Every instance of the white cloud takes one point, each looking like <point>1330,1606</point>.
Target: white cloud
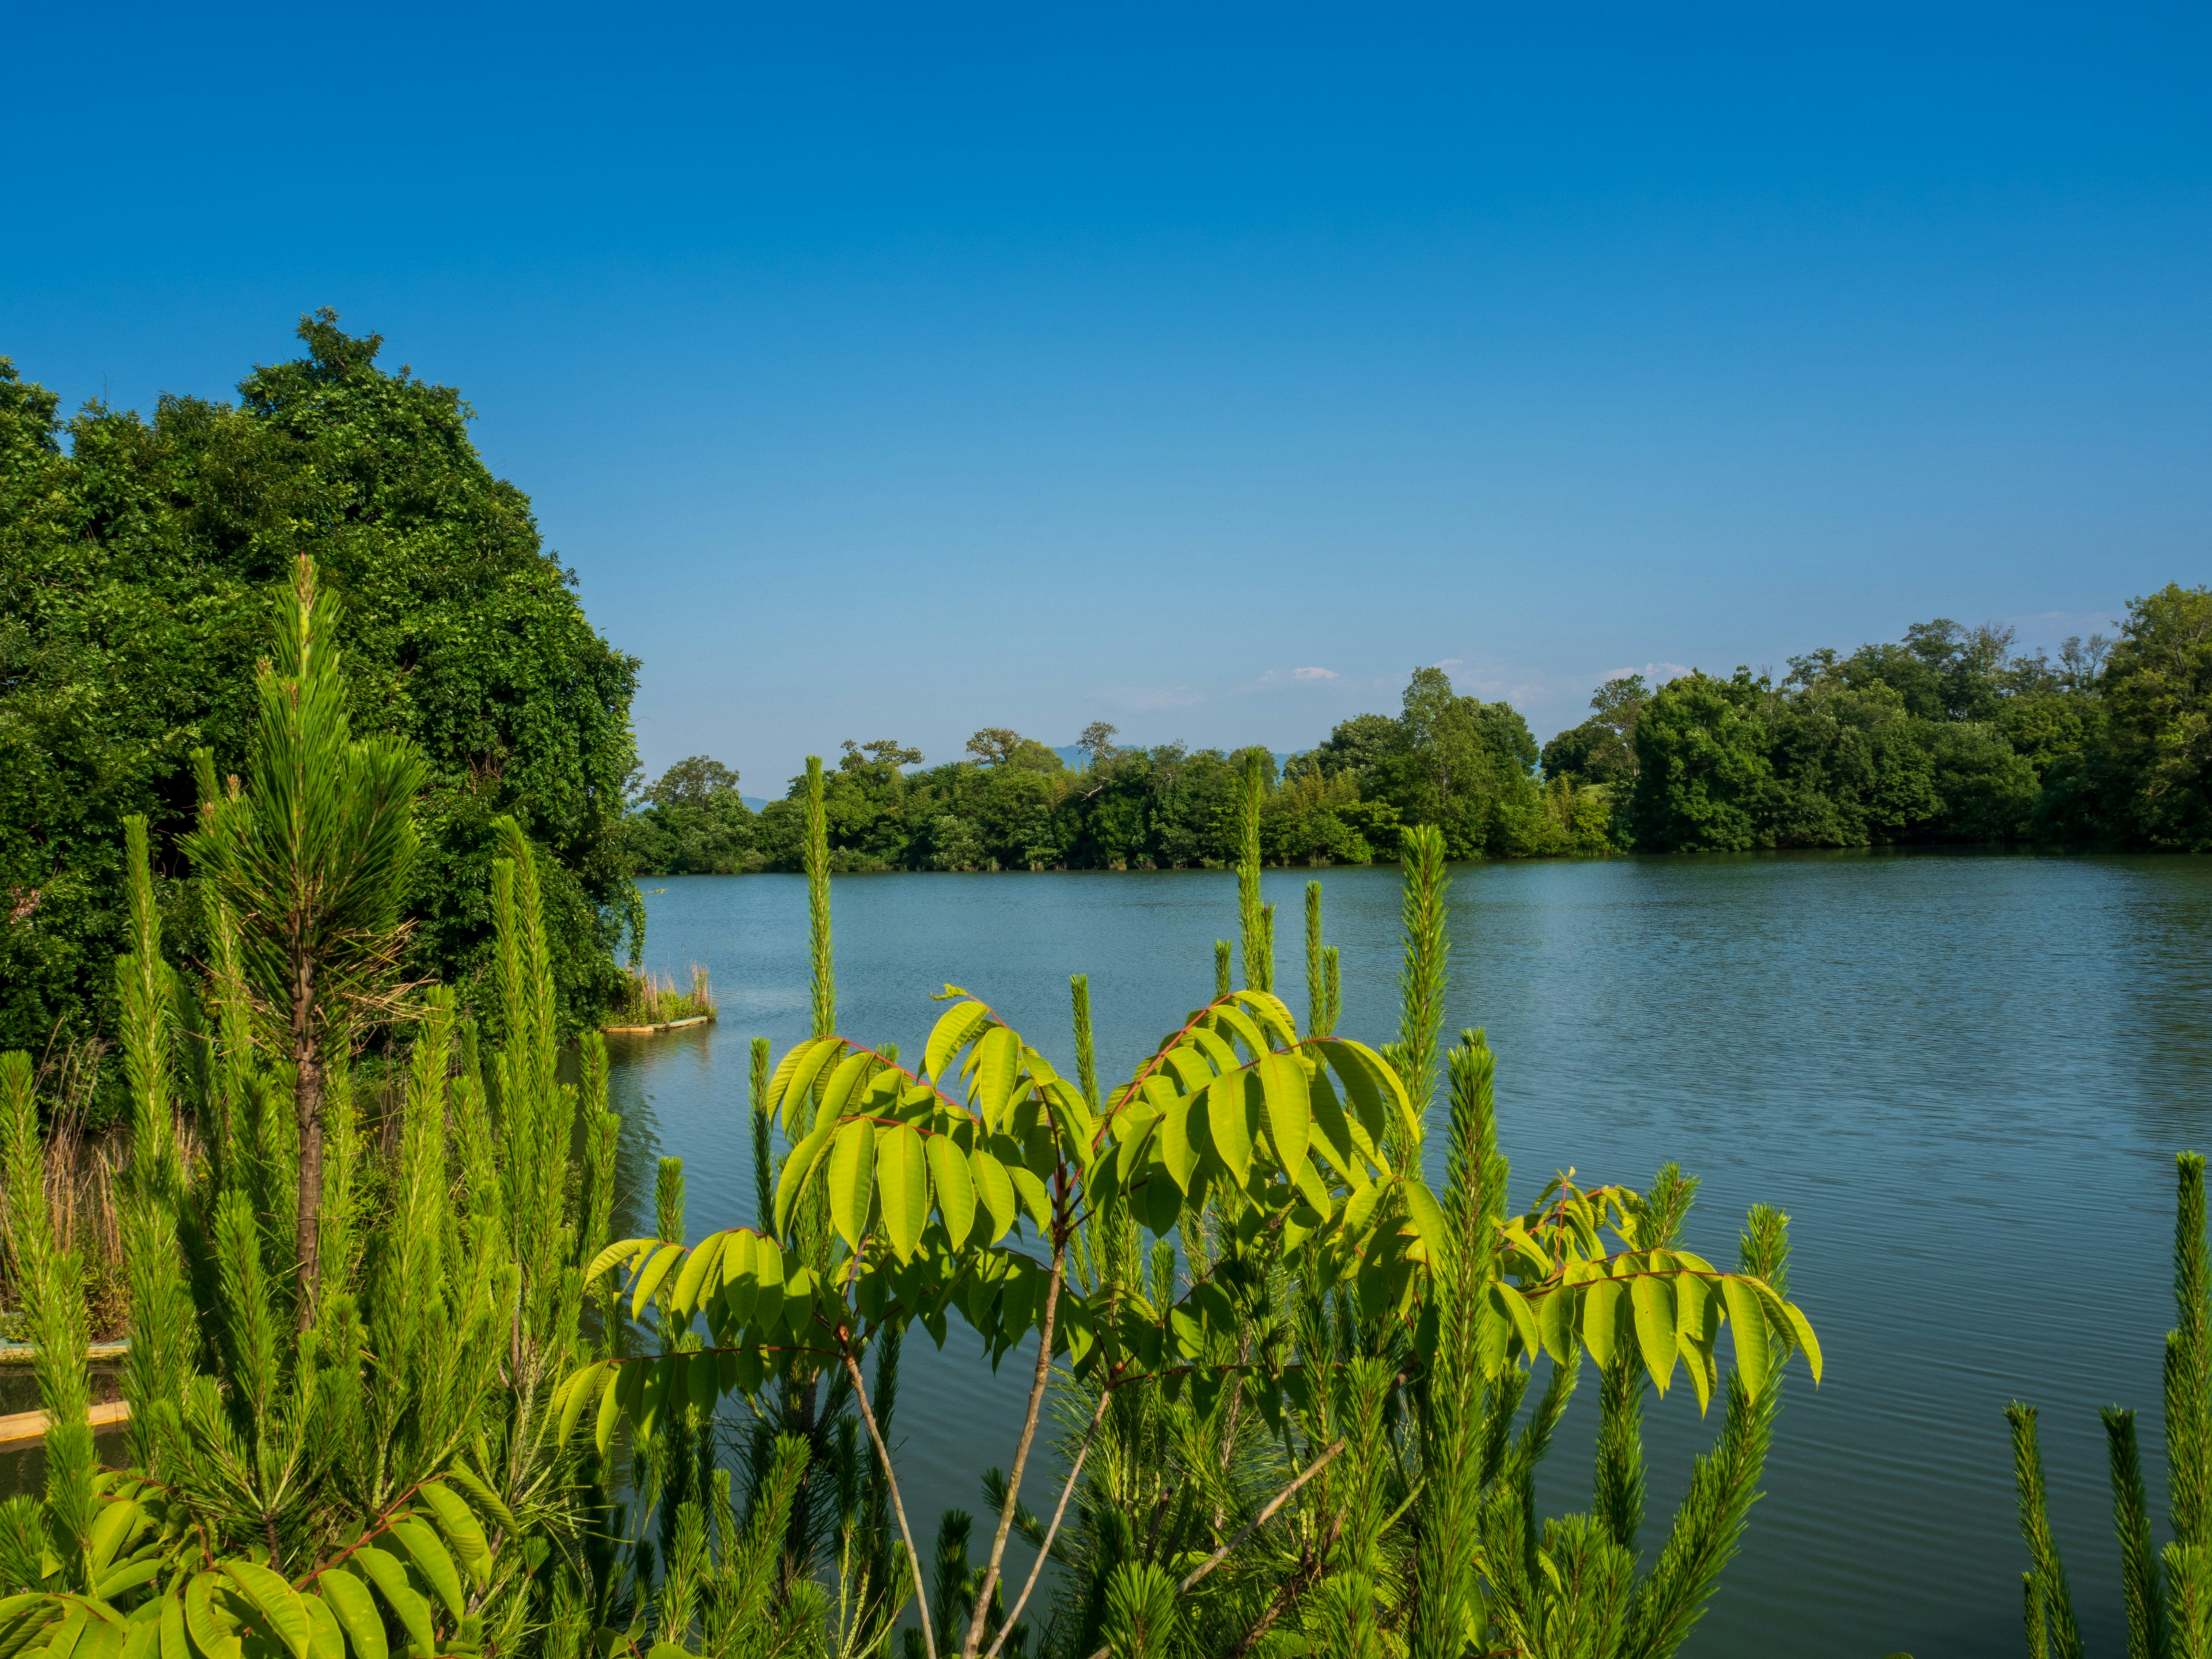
<point>1313,673</point>
<point>1141,697</point>
<point>1275,678</point>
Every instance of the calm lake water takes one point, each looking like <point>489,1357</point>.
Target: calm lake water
<point>1963,1076</point>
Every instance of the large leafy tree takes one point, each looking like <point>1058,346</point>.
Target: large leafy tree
<point>136,564</point>
<point>2158,687</point>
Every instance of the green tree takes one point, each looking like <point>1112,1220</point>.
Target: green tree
<point>1702,768</point>
<point>1602,749</point>
<point>135,572</point>
<point>692,821</point>
<point>309,863</point>
<point>2158,689</point>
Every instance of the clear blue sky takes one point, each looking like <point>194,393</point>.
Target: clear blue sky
<point>893,371</point>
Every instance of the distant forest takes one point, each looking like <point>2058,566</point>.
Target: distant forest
<point>1949,735</point>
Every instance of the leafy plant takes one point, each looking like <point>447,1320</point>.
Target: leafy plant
<point>1305,1290</point>
<point>2168,1611</point>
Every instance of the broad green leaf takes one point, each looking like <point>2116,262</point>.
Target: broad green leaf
<point>1034,1197</point>
<point>616,1256</point>
<point>1247,1032</point>
<point>851,1178</point>
<point>838,1091</point>
<point>1218,1054</point>
<point>1800,1329</point>
<point>1556,1318</point>
<point>1427,1217</point>
<point>109,1527</point>
<point>683,1301</point>
<point>603,1426</point>
<point>902,1188</point>
<point>955,1187</point>
<point>1601,1309</point>
<point>458,1523</point>
<point>389,1574</point>
<point>1227,1120</point>
<point>1509,1301</point>
<point>702,1381</point>
<point>799,1090</point>
<point>997,1061</point>
<point>112,1583</point>
<point>1654,1297</point>
<point>1272,1012</point>
<point>1290,1116</point>
<point>780,1081</point>
<point>283,1614</point>
<point>1332,1129</point>
<point>648,1280</point>
<point>1747,1318</point>
<point>740,1276</point>
<point>431,1560</point>
<point>798,1171</point>
<point>580,1391</point>
<point>996,1190</point>
<point>1177,1153</point>
<point>176,1640</point>
<point>951,1033</point>
<point>211,1629</point>
<point>1360,1208</point>
<point>327,1638</point>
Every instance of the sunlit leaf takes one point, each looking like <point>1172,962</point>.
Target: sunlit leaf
<point>902,1188</point>
<point>851,1178</point>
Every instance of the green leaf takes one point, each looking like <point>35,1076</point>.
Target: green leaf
<point>458,1523</point>
<point>1654,1297</point>
<point>1556,1317</point>
<point>1289,1113</point>
<point>1427,1217</point>
<point>683,1302</point>
<point>955,1187</point>
<point>1509,1301</point>
<point>432,1561</point>
<point>1801,1330</point>
<point>649,1279</point>
<point>389,1574</point>
<point>109,1528</point>
<point>283,1614</point>
<point>580,1391</point>
<point>953,1030</point>
<point>603,1430</point>
<point>851,1178</point>
<point>1602,1301</point>
<point>740,1278</point>
<point>837,1093</point>
<point>997,1061</point>
<point>326,1639</point>
<point>798,1098</point>
<point>996,1191</point>
<point>1228,1121</point>
<point>1748,1320</point>
<point>1034,1197</point>
<point>902,1186</point>
<point>616,1256</point>
<point>1178,1154</point>
<point>1332,1129</point>
<point>798,1169</point>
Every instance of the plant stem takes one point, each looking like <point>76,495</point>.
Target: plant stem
<point>1037,1385</point>
<point>817,902</point>
<point>1248,1529</point>
<point>1044,1550</point>
<point>899,1502</point>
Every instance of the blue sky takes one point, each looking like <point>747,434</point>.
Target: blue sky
<point>893,370</point>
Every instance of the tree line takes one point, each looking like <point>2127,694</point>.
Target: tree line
<point>1948,735</point>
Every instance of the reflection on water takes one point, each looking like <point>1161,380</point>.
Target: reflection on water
<point>1963,1076</point>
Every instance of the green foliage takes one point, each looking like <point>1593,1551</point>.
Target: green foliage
<point>136,568</point>
<point>2167,1594</point>
<point>692,822</point>
<point>1309,1322</point>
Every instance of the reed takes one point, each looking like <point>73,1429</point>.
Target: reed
<point>652,998</point>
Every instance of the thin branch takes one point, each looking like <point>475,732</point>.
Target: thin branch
<point>898,1503</point>
<point>1248,1529</point>
<point>1044,1550</point>
<point>1037,1385</point>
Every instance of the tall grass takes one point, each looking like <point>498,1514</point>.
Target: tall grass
<point>81,1164</point>
<point>654,999</point>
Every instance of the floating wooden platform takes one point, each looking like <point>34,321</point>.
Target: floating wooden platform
<point>648,1030</point>
<point>29,1428</point>
<point>23,1353</point>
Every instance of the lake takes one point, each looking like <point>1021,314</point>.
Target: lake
<point>1963,1076</point>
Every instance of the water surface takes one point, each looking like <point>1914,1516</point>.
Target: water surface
<point>1963,1076</point>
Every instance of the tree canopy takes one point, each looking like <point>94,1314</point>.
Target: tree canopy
<point>138,559</point>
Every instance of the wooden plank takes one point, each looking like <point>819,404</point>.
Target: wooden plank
<point>29,1428</point>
